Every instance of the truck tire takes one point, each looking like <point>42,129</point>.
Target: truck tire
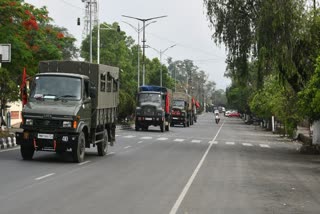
<point>102,147</point>
<point>78,149</point>
<point>27,152</point>
<point>162,126</point>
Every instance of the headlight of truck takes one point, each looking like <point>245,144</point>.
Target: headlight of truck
<point>66,124</point>
<point>29,122</point>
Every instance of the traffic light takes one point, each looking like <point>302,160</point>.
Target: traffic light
<point>78,21</point>
<point>118,28</point>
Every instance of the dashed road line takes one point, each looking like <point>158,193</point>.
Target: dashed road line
<point>80,164</point>
<point>140,142</point>
<point>178,140</point>
<point>247,144</point>
<point>127,147</point>
<point>162,138</point>
<point>264,146</point>
<point>43,177</point>
<point>145,138</point>
<point>196,141</point>
<point>129,136</point>
<point>230,143</point>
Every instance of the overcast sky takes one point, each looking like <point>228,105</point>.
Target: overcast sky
<point>186,26</point>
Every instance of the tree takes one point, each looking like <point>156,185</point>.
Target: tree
<point>8,89</point>
<point>31,36</point>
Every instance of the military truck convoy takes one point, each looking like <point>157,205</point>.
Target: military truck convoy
<point>181,109</point>
<point>72,106</point>
<point>154,105</point>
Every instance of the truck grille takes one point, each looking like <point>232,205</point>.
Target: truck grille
<point>148,111</point>
<point>47,123</point>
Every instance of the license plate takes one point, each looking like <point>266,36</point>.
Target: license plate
<point>45,136</point>
<point>147,118</point>
<point>175,118</point>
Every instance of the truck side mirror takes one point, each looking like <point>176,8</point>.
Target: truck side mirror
<point>93,93</point>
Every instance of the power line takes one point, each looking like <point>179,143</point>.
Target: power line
<point>71,5</point>
<point>186,46</point>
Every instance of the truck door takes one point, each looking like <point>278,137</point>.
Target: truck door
<point>87,103</point>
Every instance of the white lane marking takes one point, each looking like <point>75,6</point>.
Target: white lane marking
<point>264,146</point>
<point>179,140</point>
<point>247,144</point>
<point>213,142</point>
<point>196,141</point>
<point>162,138</point>
<point>9,149</point>
<point>80,164</point>
<point>194,174</point>
<point>129,136</point>
<point>43,177</point>
<point>117,135</point>
<point>229,143</point>
<point>127,147</point>
<point>145,138</point>
<point>140,142</point>
<point>111,153</point>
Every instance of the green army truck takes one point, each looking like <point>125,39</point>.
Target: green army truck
<point>154,105</point>
<point>72,106</point>
<point>181,109</point>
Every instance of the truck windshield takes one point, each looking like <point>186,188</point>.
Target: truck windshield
<point>56,87</point>
<point>154,98</point>
<point>178,103</point>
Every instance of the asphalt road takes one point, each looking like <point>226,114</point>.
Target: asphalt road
<point>206,168</point>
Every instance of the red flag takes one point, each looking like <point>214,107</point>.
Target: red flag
<point>23,88</point>
<point>197,104</point>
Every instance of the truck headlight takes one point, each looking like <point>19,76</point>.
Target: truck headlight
<point>29,122</point>
<point>66,124</point>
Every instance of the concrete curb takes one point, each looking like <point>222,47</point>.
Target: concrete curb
<point>8,142</point>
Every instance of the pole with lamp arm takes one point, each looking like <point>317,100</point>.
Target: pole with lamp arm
<point>144,41</point>
<point>138,30</point>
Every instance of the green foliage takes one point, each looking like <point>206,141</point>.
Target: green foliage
<point>9,90</point>
<point>31,36</point>
<point>309,98</point>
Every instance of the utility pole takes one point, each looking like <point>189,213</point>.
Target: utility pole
<point>91,19</point>
<point>143,41</point>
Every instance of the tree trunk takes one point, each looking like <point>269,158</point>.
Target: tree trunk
<point>316,133</point>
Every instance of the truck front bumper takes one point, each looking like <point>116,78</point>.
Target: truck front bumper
<point>46,140</point>
<point>149,121</point>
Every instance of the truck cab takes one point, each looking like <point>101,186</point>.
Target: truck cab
<point>68,110</point>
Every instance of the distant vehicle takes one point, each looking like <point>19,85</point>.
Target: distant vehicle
<point>72,105</point>
<point>154,105</point>
<point>181,109</point>
<point>234,114</point>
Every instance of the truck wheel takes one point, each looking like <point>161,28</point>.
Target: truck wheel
<point>78,149</point>
<point>102,147</point>
<point>167,127</point>
<point>162,126</point>
<point>137,128</point>
<point>184,124</point>
<point>27,152</point>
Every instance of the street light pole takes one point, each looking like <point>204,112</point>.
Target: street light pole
<point>90,25</point>
<point>162,52</point>
<point>143,40</point>
<point>138,30</point>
